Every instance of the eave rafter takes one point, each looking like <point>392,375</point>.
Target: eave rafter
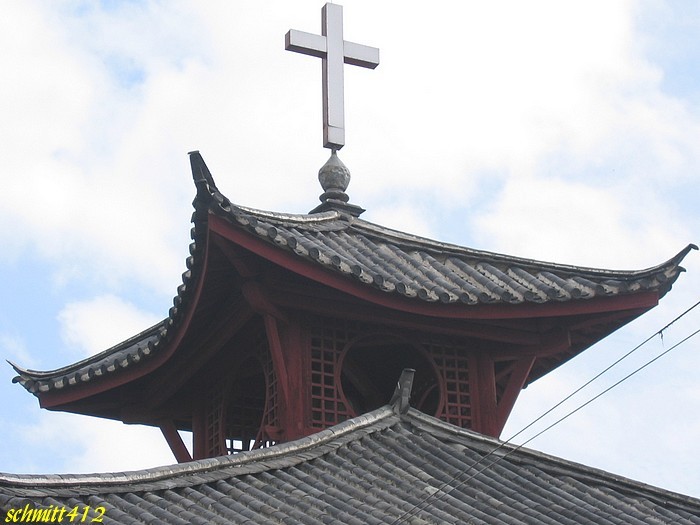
<point>259,302</point>
<point>606,318</point>
<point>177,327</point>
<point>229,320</point>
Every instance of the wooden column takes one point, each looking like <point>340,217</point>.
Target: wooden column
<point>199,438</point>
<point>482,386</point>
<point>295,418</point>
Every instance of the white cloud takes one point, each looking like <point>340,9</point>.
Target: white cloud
<point>569,221</point>
<point>543,125</point>
<point>15,349</point>
<point>501,91</point>
<point>101,445</point>
<point>97,324</point>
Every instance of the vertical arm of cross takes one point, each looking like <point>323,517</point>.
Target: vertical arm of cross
<point>333,78</point>
<point>334,52</point>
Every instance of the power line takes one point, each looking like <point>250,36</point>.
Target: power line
<point>634,372</point>
<point>441,492</point>
<point>601,373</point>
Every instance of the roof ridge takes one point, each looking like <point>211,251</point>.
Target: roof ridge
<point>329,438</point>
<point>204,179</point>
<point>311,447</point>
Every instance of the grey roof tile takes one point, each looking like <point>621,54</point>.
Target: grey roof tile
<point>380,468</point>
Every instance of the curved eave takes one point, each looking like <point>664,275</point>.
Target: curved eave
<point>140,354</point>
<point>372,257</point>
<point>421,270</point>
<point>422,243</point>
<point>141,344</point>
<point>273,236</point>
<point>374,293</point>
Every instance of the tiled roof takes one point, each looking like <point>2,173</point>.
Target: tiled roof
<point>426,270</point>
<point>382,468</point>
<point>396,263</point>
<point>422,269</point>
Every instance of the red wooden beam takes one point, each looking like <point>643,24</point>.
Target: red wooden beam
<point>177,446</point>
<point>259,301</point>
<point>482,394</point>
<point>295,419</point>
<point>199,430</point>
<point>274,342</point>
<point>312,270</point>
<point>515,384</point>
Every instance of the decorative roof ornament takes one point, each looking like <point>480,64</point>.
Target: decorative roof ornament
<point>334,177</point>
<point>334,52</point>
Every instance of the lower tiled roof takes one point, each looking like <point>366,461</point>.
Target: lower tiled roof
<point>381,468</point>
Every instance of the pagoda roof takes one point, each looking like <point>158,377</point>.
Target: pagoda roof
<point>375,263</point>
<point>388,466</point>
<point>422,269</point>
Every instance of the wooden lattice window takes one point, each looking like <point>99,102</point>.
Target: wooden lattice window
<point>441,386</point>
<point>245,407</point>
<point>270,422</point>
<point>241,408</point>
<point>453,365</point>
<point>327,343</point>
<point>214,422</point>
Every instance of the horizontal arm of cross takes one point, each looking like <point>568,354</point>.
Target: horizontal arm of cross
<point>315,45</point>
<point>359,55</point>
<point>305,43</point>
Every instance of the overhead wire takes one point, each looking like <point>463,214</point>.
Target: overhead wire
<point>608,389</point>
<point>440,493</point>
<point>659,333</point>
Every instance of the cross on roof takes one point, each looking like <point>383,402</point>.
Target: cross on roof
<point>334,51</point>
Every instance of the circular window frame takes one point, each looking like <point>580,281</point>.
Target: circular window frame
<point>390,338</point>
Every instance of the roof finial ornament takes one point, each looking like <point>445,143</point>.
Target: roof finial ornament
<point>334,177</point>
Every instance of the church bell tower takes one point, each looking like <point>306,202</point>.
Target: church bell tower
<point>287,324</point>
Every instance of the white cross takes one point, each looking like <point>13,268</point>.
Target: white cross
<point>334,51</point>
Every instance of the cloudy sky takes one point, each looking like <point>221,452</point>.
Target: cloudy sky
<point>562,131</point>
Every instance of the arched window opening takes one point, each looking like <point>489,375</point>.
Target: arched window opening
<point>371,366</point>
